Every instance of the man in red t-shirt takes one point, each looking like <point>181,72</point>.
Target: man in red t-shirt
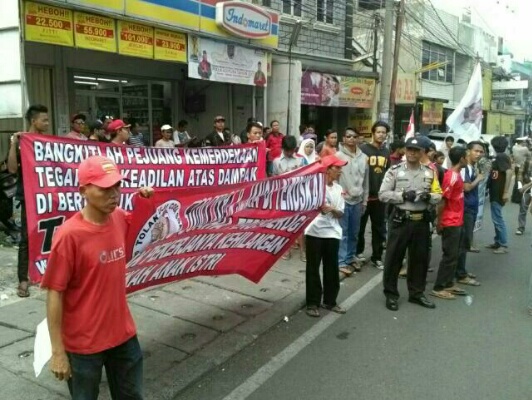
<point>274,143</point>
<point>449,225</point>
<point>88,316</point>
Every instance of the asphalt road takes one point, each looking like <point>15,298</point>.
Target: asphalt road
<point>478,351</point>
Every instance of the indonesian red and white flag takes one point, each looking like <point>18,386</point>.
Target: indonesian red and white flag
<point>411,131</point>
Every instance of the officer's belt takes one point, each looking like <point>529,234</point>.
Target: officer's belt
<point>414,216</point>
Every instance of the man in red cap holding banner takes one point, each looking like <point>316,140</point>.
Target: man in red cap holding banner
<point>88,316</point>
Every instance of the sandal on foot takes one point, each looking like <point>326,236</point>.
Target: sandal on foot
<point>456,291</point>
<point>473,276</point>
<point>303,258</point>
<point>313,311</point>
<point>356,267</point>
<point>443,294</point>
<point>286,256</point>
<point>468,281</point>
<point>335,309</point>
<point>23,290</point>
<point>346,271</point>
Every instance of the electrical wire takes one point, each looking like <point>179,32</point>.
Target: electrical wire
<point>447,29</point>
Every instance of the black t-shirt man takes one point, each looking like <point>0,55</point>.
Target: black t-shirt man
<point>500,165</point>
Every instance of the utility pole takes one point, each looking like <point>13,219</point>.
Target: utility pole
<point>397,50</point>
<point>376,40</point>
<point>386,74</point>
<point>296,30</point>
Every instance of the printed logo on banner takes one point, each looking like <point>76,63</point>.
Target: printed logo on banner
<point>162,224</point>
<point>244,20</point>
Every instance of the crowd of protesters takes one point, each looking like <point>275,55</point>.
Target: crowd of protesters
<point>406,189</point>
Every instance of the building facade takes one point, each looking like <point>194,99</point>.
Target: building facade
<point>159,62</point>
<point>436,60</point>
<point>314,81</point>
<point>156,62</point>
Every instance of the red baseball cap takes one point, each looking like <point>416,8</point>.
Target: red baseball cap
<point>332,161</point>
<point>99,171</point>
<point>116,125</point>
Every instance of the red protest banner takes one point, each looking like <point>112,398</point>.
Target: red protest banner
<point>49,166</point>
<point>239,229</point>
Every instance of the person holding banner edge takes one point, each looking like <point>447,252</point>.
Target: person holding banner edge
<point>37,118</point>
<point>88,316</point>
<point>323,237</point>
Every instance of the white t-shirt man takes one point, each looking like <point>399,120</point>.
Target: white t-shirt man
<point>326,226</point>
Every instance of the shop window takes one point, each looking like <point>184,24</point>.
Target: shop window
<point>325,11</point>
<point>370,4</point>
<point>433,53</point>
<point>161,107</point>
<point>146,102</point>
<point>292,7</point>
<point>265,3</point>
<point>97,84</point>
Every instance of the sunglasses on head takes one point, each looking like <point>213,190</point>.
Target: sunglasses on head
<point>348,136</point>
<point>220,120</point>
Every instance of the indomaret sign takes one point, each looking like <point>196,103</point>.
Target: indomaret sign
<point>244,20</point>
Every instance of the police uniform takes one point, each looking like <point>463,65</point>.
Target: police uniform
<point>409,225</point>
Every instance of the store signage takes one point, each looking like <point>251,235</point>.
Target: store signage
<point>225,62</point>
<point>95,32</point>
<point>508,95</point>
<point>170,46</point>
<point>329,90</point>
<point>47,24</point>
<point>362,122</point>
<point>405,89</point>
<point>135,39</point>
<point>243,19</point>
<point>432,112</point>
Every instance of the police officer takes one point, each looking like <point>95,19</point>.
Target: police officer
<point>409,187</point>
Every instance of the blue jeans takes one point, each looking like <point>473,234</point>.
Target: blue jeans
<point>123,367</point>
<point>350,223</point>
<point>501,237</point>
<point>465,243</point>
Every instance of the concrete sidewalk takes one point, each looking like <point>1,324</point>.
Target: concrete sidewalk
<point>185,329</point>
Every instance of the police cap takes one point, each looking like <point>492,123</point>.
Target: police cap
<point>414,143</point>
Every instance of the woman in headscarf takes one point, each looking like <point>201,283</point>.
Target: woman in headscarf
<point>307,151</point>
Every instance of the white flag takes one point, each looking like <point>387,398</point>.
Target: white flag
<point>466,120</point>
<point>411,131</point>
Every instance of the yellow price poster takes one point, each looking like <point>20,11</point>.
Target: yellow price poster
<point>432,112</point>
<point>170,46</point>
<point>135,39</point>
<point>94,32</point>
<point>362,122</point>
<point>47,24</point>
